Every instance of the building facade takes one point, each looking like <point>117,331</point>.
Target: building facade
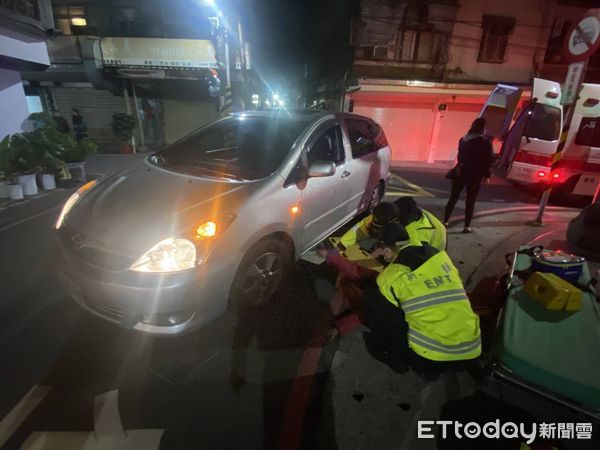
<point>23,25</point>
<point>423,70</point>
<point>156,63</point>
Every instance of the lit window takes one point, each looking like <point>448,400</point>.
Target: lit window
<point>70,19</point>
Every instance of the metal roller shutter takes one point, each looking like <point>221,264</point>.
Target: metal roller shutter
<point>454,124</point>
<point>407,127</point>
<point>96,107</point>
<point>183,117</point>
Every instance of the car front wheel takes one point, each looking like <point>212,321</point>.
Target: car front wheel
<point>262,271</point>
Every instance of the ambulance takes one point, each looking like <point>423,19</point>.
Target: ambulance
<point>531,140</point>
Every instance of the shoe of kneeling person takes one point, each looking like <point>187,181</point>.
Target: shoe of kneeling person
<point>467,230</point>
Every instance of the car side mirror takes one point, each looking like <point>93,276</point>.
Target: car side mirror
<point>321,169</point>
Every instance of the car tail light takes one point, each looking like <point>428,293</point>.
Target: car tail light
<point>381,140</point>
<point>541,174</point>
<point>556,176</point>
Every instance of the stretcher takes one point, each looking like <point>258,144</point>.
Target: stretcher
<point>553,353</point>
<point>357,255</point>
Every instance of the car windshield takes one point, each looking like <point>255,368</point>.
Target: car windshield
<point>238,147</point>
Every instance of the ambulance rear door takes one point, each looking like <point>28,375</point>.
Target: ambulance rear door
<point>533,139</point>
<point>499,109</point>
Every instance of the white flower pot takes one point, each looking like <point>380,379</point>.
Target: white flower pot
<point>48,181</point>
<point>15,191</point>
<point>28,183</point>
<point>4,193</point>
<point>77,171</point>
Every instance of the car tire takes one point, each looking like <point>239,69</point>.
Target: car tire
<point>262,272</point>
<point>375,199</point>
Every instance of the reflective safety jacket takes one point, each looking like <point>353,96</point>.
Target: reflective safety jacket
<point>428,229</point>
<point>358,232</point>
<point>442,325</point>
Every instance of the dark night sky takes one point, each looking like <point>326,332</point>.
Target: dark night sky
<point>287,34</point>
<point>281,33</point>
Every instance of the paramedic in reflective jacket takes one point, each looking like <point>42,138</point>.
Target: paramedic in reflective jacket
<point>368,228</point>
<point>420,310</point>
<point>420,225</point>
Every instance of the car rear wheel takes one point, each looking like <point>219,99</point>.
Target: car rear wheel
<point>375,199</point>
<point>261,273</point>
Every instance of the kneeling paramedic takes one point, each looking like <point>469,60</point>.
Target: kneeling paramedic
<point>369,228</point>
<point>420,308</point>
<point>420,225</point>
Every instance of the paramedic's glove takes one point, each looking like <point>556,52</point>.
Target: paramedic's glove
<point>377,253</point>
<point>384,255</point>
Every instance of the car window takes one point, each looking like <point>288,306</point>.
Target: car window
<point>543,122</point>
<point>238,147</point>
<point>589,132</point>
<point>328,147</point>
<point>361,137</point>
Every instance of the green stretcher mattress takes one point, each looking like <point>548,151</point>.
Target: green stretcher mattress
<point>557,351</point>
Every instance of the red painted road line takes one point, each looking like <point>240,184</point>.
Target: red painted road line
<point>292,425</point>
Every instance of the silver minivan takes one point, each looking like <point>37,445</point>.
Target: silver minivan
<point>217,218</point>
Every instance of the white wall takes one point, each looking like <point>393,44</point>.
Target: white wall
<point>527,40</point>
<point>13,105</point>
<point>18,46</point>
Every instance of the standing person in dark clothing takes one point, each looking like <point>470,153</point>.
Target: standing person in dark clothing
<point>62,126</point>
<point>475,158</point>
<point>79,127</point>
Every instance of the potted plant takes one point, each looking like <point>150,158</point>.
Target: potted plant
<point>122,126</point>
<point>75,158</point>
<point>49,147</point>
<point>11,188</point>
<point>25,163</point>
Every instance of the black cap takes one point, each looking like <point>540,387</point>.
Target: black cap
<point>392,233</point>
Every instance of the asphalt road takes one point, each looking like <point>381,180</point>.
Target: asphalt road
<point>237,383</point>
<point>225,386</point>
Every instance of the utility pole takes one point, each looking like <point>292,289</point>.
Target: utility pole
<point>224,39</point>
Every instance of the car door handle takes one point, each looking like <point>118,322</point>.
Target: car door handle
<point>346,174</point>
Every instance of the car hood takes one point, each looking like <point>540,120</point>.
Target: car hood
<point>136,208</point>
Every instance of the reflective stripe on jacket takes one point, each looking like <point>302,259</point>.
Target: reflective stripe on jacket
<point>357,233</point>
<point>442,325</point>
<point>428,229</point>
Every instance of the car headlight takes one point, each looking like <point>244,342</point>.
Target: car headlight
<point>73,199</point>
<point>169,255</point>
